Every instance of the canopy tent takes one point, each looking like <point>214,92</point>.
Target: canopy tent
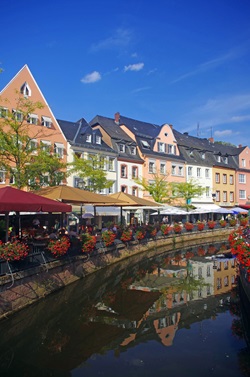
<point>237,210</point>
<point>223,210</point>
<point>134,201</point>
<point>210,207</point>
<point>12,199</point>
<point>170,210</point>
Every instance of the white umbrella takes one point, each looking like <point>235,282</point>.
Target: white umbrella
<point>88,216</point>
<point>237,210</point>
<point>223,210</point>
<point>169,210</point>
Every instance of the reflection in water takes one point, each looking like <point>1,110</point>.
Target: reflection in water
<point>131,310</point>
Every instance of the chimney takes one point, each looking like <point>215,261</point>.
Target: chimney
<point>240,146</point>
<point>211,140</point>
<point>171,126</point>
<point>117,118</point>
<point>185,133</point>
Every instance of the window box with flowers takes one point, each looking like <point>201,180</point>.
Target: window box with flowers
<point>232,222</point>
<point>177,228</point>
<point>243,221</point>
<point>13,251</point>
<point>200,226</point>
<point>223,223</point>
<point>189,226</point>
<point>88,242</point>
<point>165,229</point>
<point>211,224</point>
<point>108,237</point>
<point>126,235</point>
<point>140,234</point>
<point>59,247</point>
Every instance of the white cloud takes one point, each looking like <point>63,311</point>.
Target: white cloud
<point>91,77</point>
<point>141,89</point>
<point>121,38</point>
<point>223,133</point>
<point>133,67</point>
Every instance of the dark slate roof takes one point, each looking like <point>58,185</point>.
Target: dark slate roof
<point>117,135</point>
<point>187,143</point>
<point>76,132</point>
<point>141,129</point>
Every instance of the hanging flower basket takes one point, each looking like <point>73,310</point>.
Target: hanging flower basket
<point>13,251</point>
<point>108,237</point>
<point>177,228</point>
<point>200,226</point>
<point>232,222</point>
<point>126,235</point>
<point>223,223</point>
<point>59,247</point>
<point>165,229</point>
<point>139,235</point>
<point>211,224</point>
<point>189,226</point>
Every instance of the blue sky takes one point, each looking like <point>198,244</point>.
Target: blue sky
<point>180,62</point>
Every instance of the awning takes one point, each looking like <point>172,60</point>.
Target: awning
<point>207,206</point>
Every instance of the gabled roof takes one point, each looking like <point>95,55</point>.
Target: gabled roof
<point>76,134</point>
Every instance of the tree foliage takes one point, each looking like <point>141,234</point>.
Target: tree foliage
<point>187,191</point>
<point>23,161</point>
<point>158,187</point>
<point>92,172</point>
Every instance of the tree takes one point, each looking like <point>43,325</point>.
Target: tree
<point>158,187</point>
<point>20,157</point>
<point>187,191</point>
<point>92,171</point>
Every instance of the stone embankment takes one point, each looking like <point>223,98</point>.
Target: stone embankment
<point>23,288</point>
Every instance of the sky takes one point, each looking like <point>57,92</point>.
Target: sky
<point>185,63</point>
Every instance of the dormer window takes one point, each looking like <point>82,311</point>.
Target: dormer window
<point>145,144</point>
<point>161,147</point>
<point>218,158</point>
<point>225,160</point>
<point>32,118</point>
<point>203,155</point>
<point>25,90</point>
<point>98,139</point>
<point>88,138</point>
<point>46,121</point>
<point>122,148</point>
<point>171,149</point>
<point>133,151</point>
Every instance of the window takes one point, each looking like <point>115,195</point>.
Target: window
<point>46,122</point>
<point>98,139</point>
<point>135,191</point>
<point>162,168</point>
<point>102,161</point>
<point>243,163</point>
<point>180,170</point>
<point>32,119</point>
<point>145,144</point>
<point>44,180</point>
<point>3,112</point>
<point>111,164</point>
<point>207,191</point>
<point>231,179</point>
<point>123,188</point>
<point>208,270</point>
<point>217,196</point>
<point>134,172</point>
<point>231,196</point>
<point>218,158</point>
<point>171,149</point>
<point>58,149</point>
<point>190,171</point>
<point>33,145</point>
<point>25,90</point>
<point>161,147</point>
<point>111,189</point>
<point>207,173</point>
<point>2,176</point>
<point>122,148</point>
<point>198,172</point>
<point>88,138</point>
<point>45,146</point>
<point>224,196</point>
<point>203,155</point>
<point>242,178</point>
<point>133,150</point>
<point>18,115</point>
<point>123,171</point>
<point>225,160</point>
<point>173,170</point>
<point>217,177</point>
<point>242,194</point>
<point>224,178</point>
<point>151,167</point>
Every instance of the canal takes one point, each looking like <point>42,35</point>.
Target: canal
<point>177,314</point>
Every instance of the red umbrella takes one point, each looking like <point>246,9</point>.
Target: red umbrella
<point>12,199</point>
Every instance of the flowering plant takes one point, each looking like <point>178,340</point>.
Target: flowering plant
<point>140,234</point>
<point>177,228</point>
<point>13,251</point>
<point>189,226</point>
<point>126,235</point>
<point>240,247</point>
<point>243,221</point>
<point>232,222</point>
<point>211,224</point>
<point>223,223</point>
<point>200,226</point>
<point>165,229</point>
<point>201,251</point>
<point>108,237</point>
<point>88,243</point>
<point>59,247</point>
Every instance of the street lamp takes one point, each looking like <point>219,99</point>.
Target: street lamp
<point>81,185</point>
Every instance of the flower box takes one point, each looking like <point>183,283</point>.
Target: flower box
<point>59,247</point>
<point>108,237</point>
<point>211,224</point>
<point>200,226</point>
<point>177,228</point>
<point>189,226</point>
<point>223,223</point>
<point>13,251</point>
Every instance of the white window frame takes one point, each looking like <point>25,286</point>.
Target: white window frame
<point>88,138</point>
<point>162,168</point>
<point>25,90</point>
<point>59,149</point>
<point>242,194</point>
<point>242,178</point>
<point>45,145</point>
<point>243,162</point>
<point>122,148</point>
<point>32,119</point>
<point>161,147</point>
<point>198,172</point>
<point>3,112</point>
<point>145,144</point>
<point>98,139</point>
<point>190,171</point>
<point>111,164</point>
<point>18,115</point>
<point>2,177</point>
<point>151,167</point>
<point>133,150</point>
<point>46,121</point>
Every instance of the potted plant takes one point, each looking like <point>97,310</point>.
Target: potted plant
<point>88,242</point>
<point>13,251</point>
<point>232,222</point>
<point>200,226</point>
<point>140,234</point>
<point>126,235</point>
<point>223,223</point>
<point>211,224</point>
<point>177,228</point>
<point>59,247</point>
<point>108,237</point>
<point>189,226</point>
<point>165,229</point>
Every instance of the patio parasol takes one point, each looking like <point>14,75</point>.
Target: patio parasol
<point>237,210</point>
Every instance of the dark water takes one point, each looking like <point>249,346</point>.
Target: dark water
<point>177,314</point>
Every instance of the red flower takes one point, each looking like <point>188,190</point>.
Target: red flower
<point>59,247</point>
<point>108,237</point>
<point>13,251</point>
